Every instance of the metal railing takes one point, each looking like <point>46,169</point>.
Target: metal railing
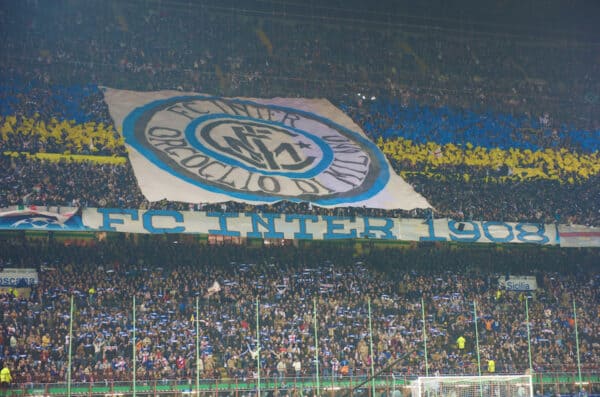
<point>332,386</point>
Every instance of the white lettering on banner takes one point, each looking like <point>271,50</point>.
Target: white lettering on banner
<point>314,227</point>
<point>518,283</point>
<point>199,148</point>
<point>16,277</point>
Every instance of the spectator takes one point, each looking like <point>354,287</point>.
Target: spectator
<point>460,343</point>
<point>5,377</point>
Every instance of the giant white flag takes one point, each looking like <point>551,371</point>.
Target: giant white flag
<point>204,149</point>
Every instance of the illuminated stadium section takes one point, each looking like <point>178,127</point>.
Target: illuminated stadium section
<point>267,198</point>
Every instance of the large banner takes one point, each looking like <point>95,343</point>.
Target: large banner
<point>291,226</point>
<point>33,217</point>
<point>579,236</point>
<point>15,277</point>
<point>314,227</point>
<point>518,283</point>
<point>203,149</point>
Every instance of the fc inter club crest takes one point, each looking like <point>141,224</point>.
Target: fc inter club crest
<point>258,152</point>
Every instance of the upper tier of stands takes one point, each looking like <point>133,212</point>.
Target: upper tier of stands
<point>487,123</point>
<point>310,52</point>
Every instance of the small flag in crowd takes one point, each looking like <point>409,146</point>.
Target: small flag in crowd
<point>216,287</point>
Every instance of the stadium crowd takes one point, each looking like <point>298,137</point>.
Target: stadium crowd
<point>481,139</point>
<point>487,126</point>
<point>463,176</point>
<point>167,276</point>
<point>209,47</point>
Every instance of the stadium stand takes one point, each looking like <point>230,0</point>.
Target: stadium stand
<point>167,276</point>
<point>486,123</point>
<point>462,176</point>
<point>451,103</point>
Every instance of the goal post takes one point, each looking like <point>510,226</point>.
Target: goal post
<point>473,386</point>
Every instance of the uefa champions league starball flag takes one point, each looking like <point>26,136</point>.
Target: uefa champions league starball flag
<point>199,148</point>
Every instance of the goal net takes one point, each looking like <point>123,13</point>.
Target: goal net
<point>473,386</point>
